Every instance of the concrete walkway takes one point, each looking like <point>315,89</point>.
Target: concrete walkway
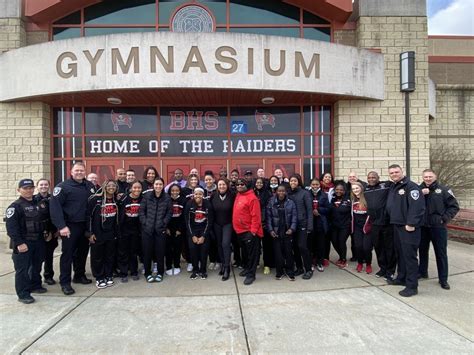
<point>338,311</point>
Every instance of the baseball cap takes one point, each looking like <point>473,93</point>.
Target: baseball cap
<point>26,183</point>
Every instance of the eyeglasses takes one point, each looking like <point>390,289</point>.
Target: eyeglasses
<point>240,184</point>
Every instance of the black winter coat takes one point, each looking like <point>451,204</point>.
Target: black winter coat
<point>441,205</point>
<point>304,207</point>
<point>155,213</point>
<point>406,204</point>
<point>272,218</point>
<point>321,202</point>
<point>376,197</point>
<point>340,214</point>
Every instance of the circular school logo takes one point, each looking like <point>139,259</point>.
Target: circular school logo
<point>192,18</point>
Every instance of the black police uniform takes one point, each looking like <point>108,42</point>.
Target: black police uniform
<point>68,207</point>
<point>382,232</point>
<point>441,207</point>
<point>50,230</point>
<point>24,226</point>
<point>406,206</point>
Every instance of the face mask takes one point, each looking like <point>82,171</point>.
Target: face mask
<point>273,186</point>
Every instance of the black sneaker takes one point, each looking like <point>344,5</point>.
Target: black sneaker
<point>389,277</point>
<point>408,292</point>
<point>39,290</point>
<point>109,281</point>
<point>203,276</point>
<point>82,280</point>
<point>278,276</point>
<point>396,282</point>
<point>135,277</point>
<point>49,281</point>
<point>307,275</point>
<point>422,276</point>
<point>249,280</point>
<point>193,276</point>
<point>243,273</point>
<point>299,272</point>
<point>380,273</point>
<point>101,284</point>
<point>290,277</point>
<point>124,279</point>
<point>67,290</point>
<point>445,285</point>
<point>26,300</point>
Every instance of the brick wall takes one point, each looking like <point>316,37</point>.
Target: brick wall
<point>12,34</point>
<point>346,37</point>
<point>454,127</point>
<point>370,135</point>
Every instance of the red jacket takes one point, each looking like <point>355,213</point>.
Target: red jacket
<point>246,216</point>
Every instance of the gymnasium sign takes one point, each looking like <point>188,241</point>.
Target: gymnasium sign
<point>194,59</point>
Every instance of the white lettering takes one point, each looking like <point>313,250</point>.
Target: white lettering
<point>164,145</point>
<point>153,146</point>
<point>184,143</point>
<point>291,145</point>
<point>95,147</point>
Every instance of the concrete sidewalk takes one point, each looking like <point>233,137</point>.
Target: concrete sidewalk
<point>337,311</point>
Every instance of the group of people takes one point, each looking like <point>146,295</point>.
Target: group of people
<point>125,222</point>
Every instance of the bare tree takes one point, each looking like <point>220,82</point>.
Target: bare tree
<point>454,168</point>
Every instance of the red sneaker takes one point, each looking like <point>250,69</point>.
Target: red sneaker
<point>368,269</point>
<point>343,264</point>
<point>359,267</point>
<point>326,263</point>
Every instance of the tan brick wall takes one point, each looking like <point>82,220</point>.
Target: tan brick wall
<point>12,34</point>
<point>35,37</point>
<point>454,127</point>
<point>25,147</point>
<point>346,37</point>
<point>370,135</point>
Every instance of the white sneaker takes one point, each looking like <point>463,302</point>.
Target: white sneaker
<point>212,266</point>
<point>218,266</point>
<point>155,268</point>
<point>169,272</point>
<point>176,270</point>
<point>190,268</point>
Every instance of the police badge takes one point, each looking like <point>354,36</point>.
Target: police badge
<point>415,194</point>
<point>451,192</point>
<point>56,191</point>
<point>438,191</point>
<point>10,212</point>
<point>401,192</point>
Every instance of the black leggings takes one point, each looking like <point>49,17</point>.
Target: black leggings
<point>267,243</point>
<point>199,254</point>
<point>174,245</point>
<point>128,249</point>
<point>339,238</point>
<point>301,251</point>
<point>283,249</point>
<point>224,237</point>
<point>102,258</point>
<point>154,246</point>
<point>363,246</point>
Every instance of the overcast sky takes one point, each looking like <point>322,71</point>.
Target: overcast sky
<point>450,17</point>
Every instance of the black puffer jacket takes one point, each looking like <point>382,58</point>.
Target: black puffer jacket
<point>441,205</point>
<point>155,213</point>
<point>376,197</point>
<point>304,207</point>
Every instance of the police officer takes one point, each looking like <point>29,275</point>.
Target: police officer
<point>25,228</point>
<point>376,194</point>
<point>68,207</point>
<point>441,207</point>
<point>406,208</point>
<point>122,181</point>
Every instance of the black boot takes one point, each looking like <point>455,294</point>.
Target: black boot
<point>221,271</point>
<point>226,273</point>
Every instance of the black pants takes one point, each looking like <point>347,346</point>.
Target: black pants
<point>239,257</point>
<point>353,247</point>
<point>382,237</point>
<point>102,258</point>
<point>268,254</point>
<point>174,246</point>
<point>28,268</point>
<point>319,244</point>
<point>199,253</point>
<point>213,249</point>
<point>128,249</point>
<point>363,246</point>
<point>251,246</point>
<point>339,241</point>
<point>50,246</point>
<point>74,252</point>
<point>301,251</point>
<point>224,239</point>
<point>154,246</point>
<point>283,251</point>
<point>439,237</point>
<point>406,244</point>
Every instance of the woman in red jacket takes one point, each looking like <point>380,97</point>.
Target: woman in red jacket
<point>247,223</point>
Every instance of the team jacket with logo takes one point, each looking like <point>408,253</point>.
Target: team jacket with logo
<point>129,214</point>
<point>340,212</point>
<point>177,222</point>
<point>102,218</point>
<point>405,203</point>
<point>69,202</point>
<point>199,219</point>
<point>441,205</point>
<point>376,197</point>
